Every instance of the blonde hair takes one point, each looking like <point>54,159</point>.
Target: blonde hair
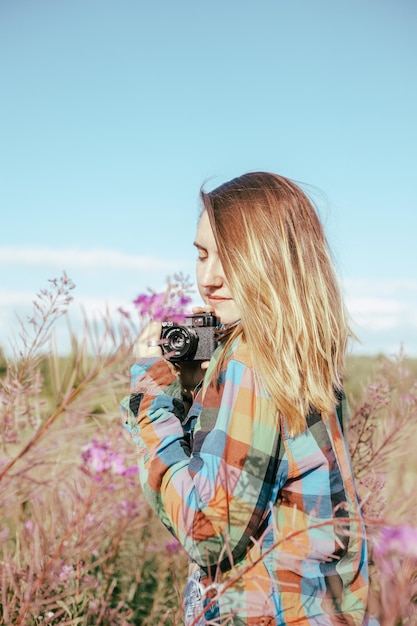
<point>276,259</point>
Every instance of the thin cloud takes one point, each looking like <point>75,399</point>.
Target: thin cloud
<point>384,313</point>
<point>381,287</point>
<point>373,300</point>
<point>76,258</point>
<point>374,306</point>
<point>13,298</point>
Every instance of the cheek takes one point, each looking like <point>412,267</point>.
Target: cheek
<point>198,275</point>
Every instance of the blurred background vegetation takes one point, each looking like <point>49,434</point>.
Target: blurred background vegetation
<point>79,545</point>
<point>360,371</point>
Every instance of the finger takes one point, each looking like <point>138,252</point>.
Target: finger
<point>202,309</point>
<point>148,343</point>
<point>153,330</point>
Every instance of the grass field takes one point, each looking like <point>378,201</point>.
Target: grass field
<point>78,543</point>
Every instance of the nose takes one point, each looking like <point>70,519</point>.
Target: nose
<point>211,274</point>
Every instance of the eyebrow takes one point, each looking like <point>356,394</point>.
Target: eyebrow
<point>200,247</point>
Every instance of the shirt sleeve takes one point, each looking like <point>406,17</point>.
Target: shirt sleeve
<point>214,495</point>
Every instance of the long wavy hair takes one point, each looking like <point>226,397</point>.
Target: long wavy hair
<point>275,257</point>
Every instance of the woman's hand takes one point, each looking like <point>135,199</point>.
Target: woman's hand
<point>148,343</point>
<point>191,374</point>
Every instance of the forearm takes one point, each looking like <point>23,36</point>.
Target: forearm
<point>215,494</point>
<point>154,411</point>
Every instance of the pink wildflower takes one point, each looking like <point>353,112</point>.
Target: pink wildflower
<point>129,509</point>
<point>168,305</point>
<point>99,458</point>
<point>399,540</point>
<point>66,572</point>
<point>117,464</point>
<point>395,555</point>
<point>173,546</point>
<point>30,526</point>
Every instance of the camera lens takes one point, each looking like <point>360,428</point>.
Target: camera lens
<point>177,341</point>
<point>180,342</point>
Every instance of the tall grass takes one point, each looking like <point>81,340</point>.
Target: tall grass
<point>382,438</point>
<point>79,544</point>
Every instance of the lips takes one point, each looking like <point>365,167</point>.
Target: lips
<point>217,299</point>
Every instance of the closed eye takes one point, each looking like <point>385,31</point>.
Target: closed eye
<point>202,253</point>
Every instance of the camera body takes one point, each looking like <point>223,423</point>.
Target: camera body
<point>193,341</point>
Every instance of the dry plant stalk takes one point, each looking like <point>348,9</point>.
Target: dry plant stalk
<point>77,541</point>
<point>382,437</point>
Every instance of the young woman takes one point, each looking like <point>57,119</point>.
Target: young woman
<point>254,479</point>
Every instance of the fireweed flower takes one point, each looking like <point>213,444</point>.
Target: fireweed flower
<point>158,308</point>
<point>173,546</point>
<point>30,526</point>
<point>396,541</point>
<point>99,459</point>
<point>168,305</point>
<point>129,509</point>
<point>66,572</point>
<point>395,556</point>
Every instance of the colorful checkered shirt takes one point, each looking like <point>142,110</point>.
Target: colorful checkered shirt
<point>272,520</point>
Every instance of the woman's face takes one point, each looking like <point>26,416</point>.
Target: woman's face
<point>211,280</point>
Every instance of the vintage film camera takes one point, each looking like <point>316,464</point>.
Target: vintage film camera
<point>194,341</point>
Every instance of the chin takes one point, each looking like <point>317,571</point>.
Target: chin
<point>227,312</point>
<point>227,320</point>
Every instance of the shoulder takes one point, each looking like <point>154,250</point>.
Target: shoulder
<point>242,354</point>
<point>229,360</point>
<point>233,366</point>
<point>237,352</point>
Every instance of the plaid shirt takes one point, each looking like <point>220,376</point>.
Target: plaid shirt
<point>272,521</point>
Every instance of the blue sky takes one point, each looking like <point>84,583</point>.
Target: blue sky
<point>114,113</point>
